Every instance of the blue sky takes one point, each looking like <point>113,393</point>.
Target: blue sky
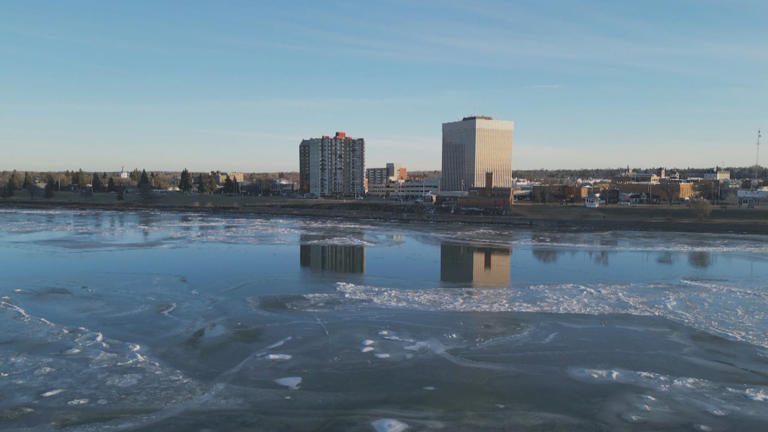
<point>236,85</point>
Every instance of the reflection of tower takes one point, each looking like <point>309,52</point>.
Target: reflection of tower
<point>334,258</point>
<point>480,266</point>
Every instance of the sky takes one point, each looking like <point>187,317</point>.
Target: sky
<point>236,85</point>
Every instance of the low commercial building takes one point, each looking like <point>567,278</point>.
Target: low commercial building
<point>752,198</point>
<point>669,191</point>
<point>488,198</point>
<point>559,193</point>
<point>426,188</point>
<point>281,186</point>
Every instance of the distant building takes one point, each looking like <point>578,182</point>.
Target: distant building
<point>592,201</point>
<point>657,192</point>
<point>473,147</point>
<point>393,172</point>
<point>281,186</point>
<point>407,189</point>
<point>717,174</point>
<point>221,177</point>
<point>376,175</point>
<point>331,167</point>
<point>559,193</point>
<point>752,198</point>
<point>123,173</point>
<point>396,172</point>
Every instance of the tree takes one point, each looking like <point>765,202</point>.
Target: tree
<point>211,183</point>
<point>669,190</point>
<point>701,208</point>
<point>50,186</point>
<point>8,190</point>
<point>185,183</point>
<point>135,175</point>
<point>206,183</point>
<point>96,183</point>
<point>27,181</point>
<point>145,187</point>
<point>78,178</point>
<point>10,187</point>
<point>111,185</point>
<point>229,187</point>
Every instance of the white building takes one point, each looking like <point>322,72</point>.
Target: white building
<point>405,189</point>
<point>473,147</point>
<point>717,174</point>
<point>752,198</point>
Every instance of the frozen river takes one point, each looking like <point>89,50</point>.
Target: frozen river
<point>161,321</point>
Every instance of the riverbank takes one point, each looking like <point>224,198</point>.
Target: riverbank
<point>537,216</point>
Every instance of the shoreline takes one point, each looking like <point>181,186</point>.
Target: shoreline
<point>530,216</point>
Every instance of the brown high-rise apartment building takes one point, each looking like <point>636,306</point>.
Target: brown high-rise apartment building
<point>332,166</point>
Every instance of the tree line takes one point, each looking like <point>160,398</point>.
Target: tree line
<point>145,182</point>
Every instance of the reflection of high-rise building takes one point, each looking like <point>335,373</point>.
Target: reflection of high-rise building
<point>334,258</point>
<point>480,266</point>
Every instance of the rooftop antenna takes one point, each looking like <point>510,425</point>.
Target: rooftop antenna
<point>757,156</point>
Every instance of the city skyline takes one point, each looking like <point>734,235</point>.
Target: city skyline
<point>591,85</point>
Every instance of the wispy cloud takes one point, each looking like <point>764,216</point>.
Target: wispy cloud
<point>543,86</point>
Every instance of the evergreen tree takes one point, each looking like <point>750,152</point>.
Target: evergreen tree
<point>75,178</point>
<point>27,181</point>
<point>207,183</point>
<point>96,183</point>
<point>211,183</point>
<point>50,185</point>
<point>229,187</point>
<point>111,185</point>
<point>10,188</point>
<point>185,183</point>
<point>145,187</point>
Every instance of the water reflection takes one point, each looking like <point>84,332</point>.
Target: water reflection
<point>547,256</point>
<point>600,257</point>
<point>333,258</point>
<point>480,266</point>
<point>700,259</point>
<point>665,258</point>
